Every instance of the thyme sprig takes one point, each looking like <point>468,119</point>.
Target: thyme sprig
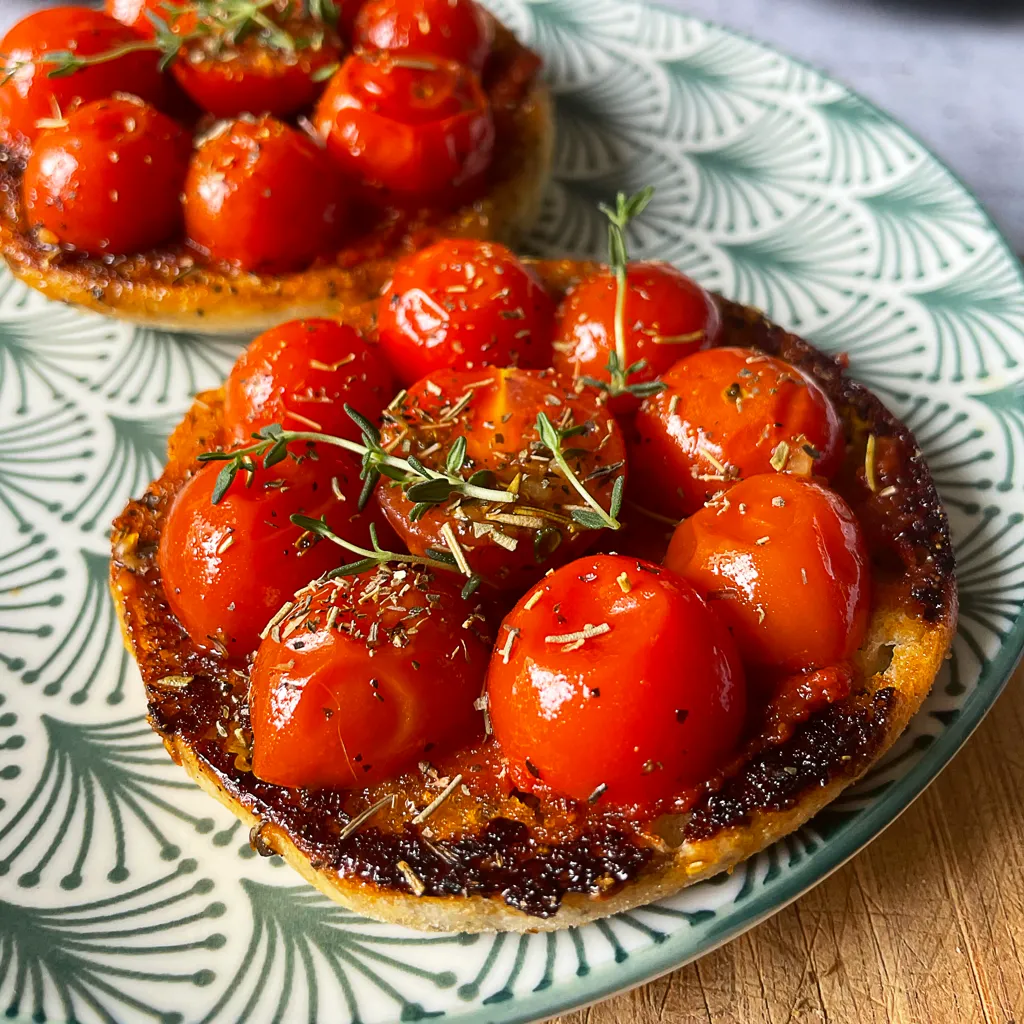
<point>222,22</point>
<point>619,371</point>
<point>375,556</point>
<point>426,487</point>
<point>595,517</point>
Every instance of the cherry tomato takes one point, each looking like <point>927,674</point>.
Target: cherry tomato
<point>227,568</point>
<point>613,682</point>
<point>254,74</point>
<point>301,374</point>
<point>667,316</point>
<point>456,30</point>
<point>139,14</point>
<point>109,179</point>
<point>356,698</point>
<point>728,413</point>
<point>464,304</point>
<point>29,95</point>
<point>783,563</point>
<point>509,543</point>
<point>414,129</point>
<point>263,196</point>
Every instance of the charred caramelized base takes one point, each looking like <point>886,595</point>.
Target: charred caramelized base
<point>489,860</point>
<point>173,288</point>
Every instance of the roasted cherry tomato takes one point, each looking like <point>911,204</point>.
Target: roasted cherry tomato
<point>227,568</point>
<point>417,130</point>
<point>458,30</point>
<point>613,682</point>
<point>509,543</point>
<point>302,374</point>
<point>368,675</point>
<point>263,196</point>
<point>28,95</point>
<point>728,413</point>
<point>255,73</point>
<point>666,317</point>
<point>464,304</point>
<point>783,563</point>
<point>109,179</point>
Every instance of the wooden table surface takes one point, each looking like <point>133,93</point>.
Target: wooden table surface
<point>925,926</point>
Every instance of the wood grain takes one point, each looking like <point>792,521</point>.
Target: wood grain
<point>925,926</point>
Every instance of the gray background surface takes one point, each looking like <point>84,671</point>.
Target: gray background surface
<point>952,71</point>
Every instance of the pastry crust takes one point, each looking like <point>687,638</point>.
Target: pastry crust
<point>776,788</point>
<point>172,290</point>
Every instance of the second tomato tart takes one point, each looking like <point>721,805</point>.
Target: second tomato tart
<point>221,167</point>
<point>480,643</point>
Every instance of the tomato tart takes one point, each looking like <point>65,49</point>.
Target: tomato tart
<point>224,165</point>
<point>535,591</point>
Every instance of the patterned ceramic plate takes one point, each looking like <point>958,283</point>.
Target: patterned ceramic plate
<point>127,895</point>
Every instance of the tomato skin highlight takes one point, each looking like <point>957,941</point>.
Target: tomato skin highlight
<point>262,196</point>
<point>458,30</point>
<point>228,568</point>
<point>340,706</point>
<point>301,374</point>
<point>722,417</point>
<point>410,131</point>
<point>630,716</point>
<point>785,566</point>
<point>30,95</point>
<point>109,181</point>
<point>661,303</point>
<point>464,304</point>
<point>499,424</point>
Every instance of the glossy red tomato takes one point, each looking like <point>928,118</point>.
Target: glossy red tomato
<point>228,568</point>
<point>458,30</point>
<point>414,129</point>
<point>783,563</point>
<point>464,304</point>
<point>139,14</point>
<point>301,374</point>
<point>728,413</point>
<point>389,679</point>
<point>263,196</point>
<point>109,179</point>
<point>613,682</point>
<point>508,543</point>
<point>29,95</point>
<point>667,316</point>
<point>254,74</point>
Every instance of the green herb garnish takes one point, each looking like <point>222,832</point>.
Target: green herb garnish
<point>426,487</point>
<point>595,517</point>
<point>626,208</point>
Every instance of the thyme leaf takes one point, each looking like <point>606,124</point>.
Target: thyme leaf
<point>594,518</point>
<point>423,486</point>
<point>371,557</point>
<point>627,207</point>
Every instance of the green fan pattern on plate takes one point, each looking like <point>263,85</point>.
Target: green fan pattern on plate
<point>126,895</point>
